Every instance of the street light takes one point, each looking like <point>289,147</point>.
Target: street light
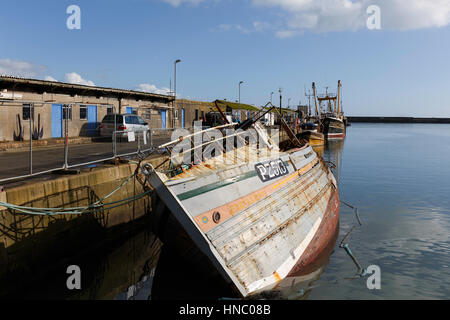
<point>281,111</point>
<point>175,92</point>
<point>271,94</point>
<point>240,90</point>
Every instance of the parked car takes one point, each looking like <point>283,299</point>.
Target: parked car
<point>125,123</point>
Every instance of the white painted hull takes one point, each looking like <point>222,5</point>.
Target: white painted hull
<point>254,231</point>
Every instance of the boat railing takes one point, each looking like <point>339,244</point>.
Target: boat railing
<point>327,95</point>
<point>195,134</point>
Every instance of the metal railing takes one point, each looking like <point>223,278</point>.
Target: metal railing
<point>120,144</point>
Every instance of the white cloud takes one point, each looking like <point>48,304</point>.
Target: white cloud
<point>146,87</point>
<point>18,68</point>
<point>282,34</point>
<point>176,3</point>
<point>225,27</point>
<point>257,26</point>
<point>260,26</point>
<point>350,15</point>
<point>75,78</point>
<point>50,78</point>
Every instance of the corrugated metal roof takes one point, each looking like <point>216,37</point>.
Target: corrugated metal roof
<point>70,86</point>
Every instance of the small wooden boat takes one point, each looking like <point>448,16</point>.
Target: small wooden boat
<point>251,221</point>
<point>315,139</point>
<point>309,126</point>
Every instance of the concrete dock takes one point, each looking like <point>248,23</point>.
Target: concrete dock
<point>29,242</point>
<point>397,120</point>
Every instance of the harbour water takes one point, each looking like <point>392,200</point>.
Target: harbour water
<point>397,176</point>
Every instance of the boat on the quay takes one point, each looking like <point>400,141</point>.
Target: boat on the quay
<point>252,214</point>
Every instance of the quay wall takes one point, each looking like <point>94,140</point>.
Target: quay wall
<point>29,242</point>
<point>397,120</point>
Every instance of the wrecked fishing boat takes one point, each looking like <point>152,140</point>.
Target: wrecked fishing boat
<point>252,214</point>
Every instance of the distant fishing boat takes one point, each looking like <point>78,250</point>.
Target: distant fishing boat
<point>251,221</point>
<point>333,128</point>
<point>331,121</point>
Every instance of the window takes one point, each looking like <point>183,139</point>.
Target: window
<point>147,113</point>
<point>110,110</point>
<point>141,121</point>
<point>27,109</point>
<point>196,114</point>
<point>110,119</point>
<point>135,120</point>
<point>83,112</point>
<point>176,114</point>
<point>129,120</point>
<point>67,112</point>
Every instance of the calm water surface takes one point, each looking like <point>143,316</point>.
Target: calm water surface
<point>398,177</point>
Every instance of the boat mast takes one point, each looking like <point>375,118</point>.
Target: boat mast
<point>309,95</point>
<point>315,99</point>
<point>339,99</point>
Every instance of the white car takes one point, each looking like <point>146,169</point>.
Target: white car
<point>125,123</point>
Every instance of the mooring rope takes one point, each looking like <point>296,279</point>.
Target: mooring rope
<point>361,271</point>
<point>98,205</point>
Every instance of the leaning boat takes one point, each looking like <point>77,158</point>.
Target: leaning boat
<point>252,221</point>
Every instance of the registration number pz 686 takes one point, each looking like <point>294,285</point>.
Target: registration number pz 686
<point>270,170</point>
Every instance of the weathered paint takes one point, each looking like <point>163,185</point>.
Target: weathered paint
<point>256,232</point>
<point>334,128</point>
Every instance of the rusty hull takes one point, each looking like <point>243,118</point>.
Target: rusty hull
<point>255,232</point>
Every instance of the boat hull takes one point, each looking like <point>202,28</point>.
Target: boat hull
<point>315,139</point>
<point>334,128</point>
<point>256,230</point>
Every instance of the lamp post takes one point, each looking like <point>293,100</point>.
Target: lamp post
<point>175,92</point>
<point>281,112</point>
<point>240,90</point>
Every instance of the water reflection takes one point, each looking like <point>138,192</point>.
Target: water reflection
<point>402,197</point>
<point>119,270</point>
<point>299,285</point>
<point>333,153</point>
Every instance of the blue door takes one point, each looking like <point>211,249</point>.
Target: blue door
<point>129,110</point>
<point>57,119</point>
<point>92,120</point>
<point>182,118</point>
<point>163,119</point>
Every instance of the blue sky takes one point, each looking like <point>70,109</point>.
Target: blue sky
<point>401,70</point>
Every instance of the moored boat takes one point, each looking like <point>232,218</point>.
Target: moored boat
<point>309,126</point>
<point>333,128</point>
<point>332,122</point>
<point>255,219</point>
<point>315,139</point>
